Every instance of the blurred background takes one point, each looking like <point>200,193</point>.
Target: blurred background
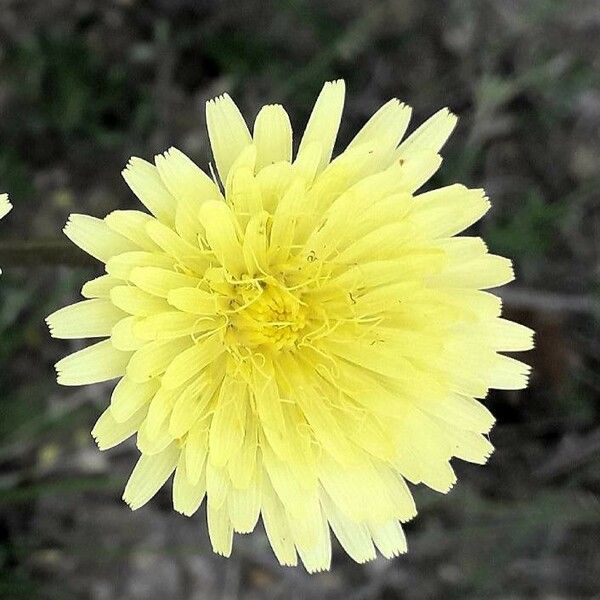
<point>86,84</point>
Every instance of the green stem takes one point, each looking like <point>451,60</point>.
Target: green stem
<point>30,253</point>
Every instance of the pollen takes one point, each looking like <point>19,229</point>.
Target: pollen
<point>268,319</point>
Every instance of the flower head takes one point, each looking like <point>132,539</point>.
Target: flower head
<point>298,340</point>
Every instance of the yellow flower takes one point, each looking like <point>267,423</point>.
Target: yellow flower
<point>299,342</point>
<point>5,207</point>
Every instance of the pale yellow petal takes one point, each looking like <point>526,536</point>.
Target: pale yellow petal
<point>423,452</point>
<point>390,484</point>
<point>123,336</point>
<point>227,427</point>
<point>244,506</point>
<point>243,191</point>
<point>277,526</point>
<point>190,186</point>
<point>447,211</point>
<point>375,357</point>
<point>196,451</point>
<point>192,360</point>
<point>272,136</point>
<point>217,484</point>
<point>159,282</point>
<point>129,397</point>
<point>187,497</point>
<point>460,411</point>
<point>431,135</point>
<point>269,409</point>
<point>416,169</point>
<point>158,412</point>
<point>131,224</point>
<point>185,253</point>
<point>283,228</point>
<point>488,271</point>
<point>468,445</point>
<point>90,318</point>
<point>153,358</point>
<point>149,475</point>
<point>273,181</point>
<point>172,324</point>
<point>227,131</point>
<point>305,522</point>
<point>255,245</point>
<point>354,537</point>
<point>286,483</point>
<point>96,238</point>
<point>363,492</point>
<point>121,266</point>
<point>99,362</point>
<point>505,335</point>
<point>242,465</point>
<point>155,442</point>
<point>184,179</point>
<point>299,452</point>
<point>324,122</point>
<point>193,300</point>
<point>389,538</point>
<point>145,182</point>
<point>189,406</point>
<point>100,287</point>
<point>137,302</point>
<point>220,529</point>
<point>108,432</point>
<point>509,374</point>
<point>319,417</point>
<point>306,165</point>
<point>317,556</point>
<point>385,128</point>
<point>221,233</point>
<point>409,266</point>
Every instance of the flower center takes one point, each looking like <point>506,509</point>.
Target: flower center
<point>268,316</point>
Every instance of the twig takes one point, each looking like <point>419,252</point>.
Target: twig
<point>549,301</point>
<point>574,451</point>
<point>17,253</point>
